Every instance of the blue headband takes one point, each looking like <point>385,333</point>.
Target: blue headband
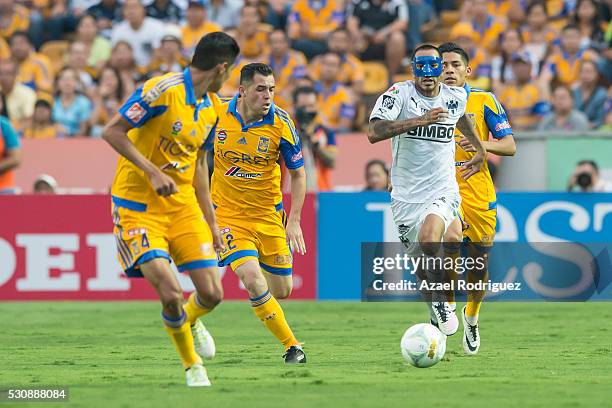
<point>428,70</point>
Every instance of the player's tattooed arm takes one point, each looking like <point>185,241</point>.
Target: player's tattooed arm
<point>380,129</point>
<point>471,167</point>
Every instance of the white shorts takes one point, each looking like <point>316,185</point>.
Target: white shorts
<point>409,217</point>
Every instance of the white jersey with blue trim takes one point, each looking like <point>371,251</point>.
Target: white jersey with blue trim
<point>424,158</point>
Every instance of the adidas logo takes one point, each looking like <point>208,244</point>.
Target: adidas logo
<point>242,141</point>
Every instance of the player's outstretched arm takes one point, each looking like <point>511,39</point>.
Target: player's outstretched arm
<point>202,190</point>
<point>298,193</point>
<point>473,166</point>
<point>115,134</point>
<point>380,129</point>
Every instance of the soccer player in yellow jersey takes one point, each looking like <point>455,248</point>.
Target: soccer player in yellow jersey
<point>161,196</point>
<point>478,201</point>
<point>250,137</point>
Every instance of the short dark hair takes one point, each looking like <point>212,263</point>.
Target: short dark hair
<point>426,47</point>
<point>376,162</point>
<point>214,49</point>
<point>454,47</point>
<point>303,90</point>
<point>570,26</point>
<point>23,34</point>
<point>42,102</point>
<point>535,4</point>
<point>247,73</point>
<point>589,162</point>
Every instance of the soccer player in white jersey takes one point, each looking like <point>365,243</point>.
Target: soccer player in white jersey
<point>420,117</point>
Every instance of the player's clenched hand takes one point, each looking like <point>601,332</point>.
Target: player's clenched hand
<point>295,237</point>
<point>472,166</point>
<point>218,244</point>
<point>162,183</point>
<point>434,115</point>
<point>466,145</point>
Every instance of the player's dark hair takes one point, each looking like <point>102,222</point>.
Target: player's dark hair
<point>17,34</point>
<point>426,47</point>
<point>303,90</point>
<point>376,162</point>
<point>569,27</point>
<point>247,73</point>
<point>214,49</point>
<point>454,47</point>
<point>537,3</point>
<point>589,162</point>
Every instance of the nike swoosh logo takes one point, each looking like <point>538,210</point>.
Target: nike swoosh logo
<point>467,340</point>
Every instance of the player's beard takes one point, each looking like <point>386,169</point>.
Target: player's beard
<point>427,85</point>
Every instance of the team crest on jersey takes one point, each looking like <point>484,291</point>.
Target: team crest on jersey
<point>221,136</point>
<point>452,106</point>
<point>263,144</point>
<point>388,102</point>
<point>177,126</point>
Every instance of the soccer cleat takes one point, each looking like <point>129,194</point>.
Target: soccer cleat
<point>294,355</point>
<point>471,336</point>
<point>197,377</point>
<point>446,317</point>
<point>202,340</point>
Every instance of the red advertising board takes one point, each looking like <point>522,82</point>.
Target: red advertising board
<point>62,248</point>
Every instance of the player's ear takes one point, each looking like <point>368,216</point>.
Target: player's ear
<point>468,70</point>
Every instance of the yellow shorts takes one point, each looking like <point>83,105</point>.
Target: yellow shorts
<point>481,225</point>
<point>181,236</point>
<point>263,240</point>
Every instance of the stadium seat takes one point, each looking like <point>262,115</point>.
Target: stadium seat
<point>376,77</point>
<point>56,52</point>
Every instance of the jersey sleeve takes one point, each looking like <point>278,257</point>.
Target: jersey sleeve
<point>147,102</point>
<point>290,145</point>
<point>11,140</point>
<point>388,105</point>
<point>495,117</point>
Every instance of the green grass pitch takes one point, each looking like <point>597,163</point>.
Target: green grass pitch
<point>117,355</point>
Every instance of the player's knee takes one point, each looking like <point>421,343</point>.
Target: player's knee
<point>282,292</point>
<point>211,298</point>
<point>172,301</point>
<point>396,38</point>
<point>252,279</point>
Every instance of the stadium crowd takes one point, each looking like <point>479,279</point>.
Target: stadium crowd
<point>67,65</point>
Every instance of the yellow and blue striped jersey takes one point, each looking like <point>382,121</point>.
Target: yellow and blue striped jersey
<point>488,116</point>
<point>246,182</point>
<point>170,126</point>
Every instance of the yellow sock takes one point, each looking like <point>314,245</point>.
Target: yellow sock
<point>194,309</point>
<point>269,311</point>
<point>180,334</point>
<point>473,308</point>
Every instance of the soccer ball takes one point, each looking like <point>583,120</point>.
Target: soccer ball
<point>423,345</point>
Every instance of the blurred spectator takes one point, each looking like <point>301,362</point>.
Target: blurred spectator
<point>167,11</point>
<point>122,59</point>
<point>196,26</point>
<point>169,56</point>
<point>466,37</point>
<point>288,65</point>
<point>487,26</point>
<point>107,13</point>
<point>588,20</point>
<point>107,99</point>
<point>589,95</point>
<point>141,32</point>
<point>77,60</point>
<point>378,28</point>
<point>311,21</point>
<point>501,64</point>
<point>278,13</point>
<point>586,179</point>
<point>98,48</point>
<point>511,9</point>
<point>564,117</point>
<point>224,13</point>
<point>17,99</point>
<point>33,69</point>
<point>42,125</point>
<point>336,105</point>
<point>13,18</point>
<point>45,184</point>
<point>251,36</point>
<point>318,142</point>
<point>523,100</point>
<point>61,20</point>
<point>537,33</point>
<point>351,70</point>
<point>71,108</point>
<point>10,155</point>
<point>5,50</point>
<point>377,176</point>
<point>422,21</point>
<point>565,63</point>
